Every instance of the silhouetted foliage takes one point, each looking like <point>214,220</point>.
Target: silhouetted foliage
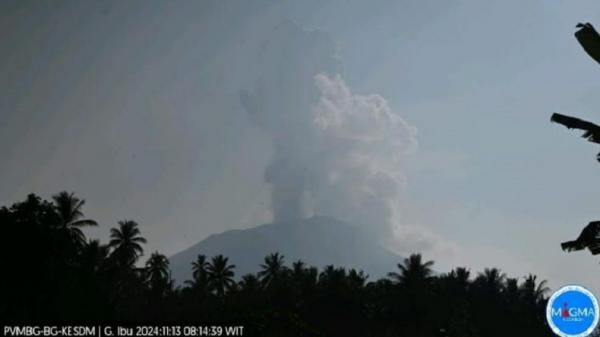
<point>589,39</point>
<point>220,275</point>
<point>68,208</point>
<point>127,243</point>
<point>51,272</point>
<point>589,238</point>
<point>592,131</point>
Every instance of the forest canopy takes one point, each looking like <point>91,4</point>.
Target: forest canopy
<point>54,273</point>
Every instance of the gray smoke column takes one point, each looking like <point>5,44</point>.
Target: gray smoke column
<point>337,153</point>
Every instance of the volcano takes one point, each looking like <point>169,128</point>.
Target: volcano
<point>317,241</point>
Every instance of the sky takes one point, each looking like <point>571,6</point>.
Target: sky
<point>135,106</point>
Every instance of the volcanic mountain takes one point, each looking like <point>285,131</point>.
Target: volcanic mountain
<point>318,241</point>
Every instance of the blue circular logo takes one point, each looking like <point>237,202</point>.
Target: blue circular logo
<point>572,311</point>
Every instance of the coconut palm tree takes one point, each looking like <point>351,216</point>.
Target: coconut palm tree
<point>93,257</point>
<point>68,208</point>
<point>511,290</point>
<point>491,281</point>
<point>199,274</point>
<point>220,274</point>
<point>250,283</point>
<point>356,279</point>
<point>157,267</point>
<point>126,242</point>
<point>298,268</point>
<point>332,277</point>
<point>303,279</point>
<point>271,268</point>
<point>157,272</point>
<point>199,267</point>
<point>532,291</point>
<point>413,271</point>
<point>460,277</point>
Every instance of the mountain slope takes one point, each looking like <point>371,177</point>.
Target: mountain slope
<point>317,241</point>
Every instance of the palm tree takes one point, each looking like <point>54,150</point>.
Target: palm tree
<point>511,291</point>
<point>157,267</point>
<point>303,278</point>
<point>250,289</point>
<point>533,292</point>
<point>199,273</point>
<point>491,281</point>
<point>126,241</point>
<point>356,279</point>
<point>250,283</point>
<point>413,271</point>
<point>460,278</point>
<point>199,267</point>
<point>220,274</point>
<point>157,272</point>
<point>93,257</point>
<point>271,268</point>
<point>298,268</point>
<point>68,208</point>
<point>332,278</point>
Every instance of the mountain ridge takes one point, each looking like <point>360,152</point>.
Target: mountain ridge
<point>318,241</point>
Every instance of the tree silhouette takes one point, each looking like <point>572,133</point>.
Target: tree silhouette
<point>589,238</point>
<point>157,271</point>
<point>220,275</point>
<point>460,278</point>
<point>533,292</point>
<point>250,283</point>
<point>271,268</point>
<point>589,39</point>
<point>414,281</point>
<point>592,131</point>
<point>511,290</point>
<point>127,243</point>
<point>69,211</point>
<point>93,257</point>
<point>199,280</point>
<point>491,281</point>
<point>298,268</point>
<point>412,271</point>
<point>99,282</point>
<point>199,267</point>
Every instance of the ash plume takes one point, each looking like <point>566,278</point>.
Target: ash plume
<point>336,153</point>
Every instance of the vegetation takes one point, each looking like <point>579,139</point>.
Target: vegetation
<point>51,272</point>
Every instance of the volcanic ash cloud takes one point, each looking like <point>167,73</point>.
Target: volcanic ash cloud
<point>336,153</point>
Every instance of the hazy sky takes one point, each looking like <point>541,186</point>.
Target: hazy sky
<point>135,107</point>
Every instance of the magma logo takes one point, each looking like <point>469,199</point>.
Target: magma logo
<point>572,311</point>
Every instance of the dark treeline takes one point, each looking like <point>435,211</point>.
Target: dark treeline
<point>52,273</point>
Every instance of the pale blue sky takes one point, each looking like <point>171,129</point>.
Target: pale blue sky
<point>134,107</point>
